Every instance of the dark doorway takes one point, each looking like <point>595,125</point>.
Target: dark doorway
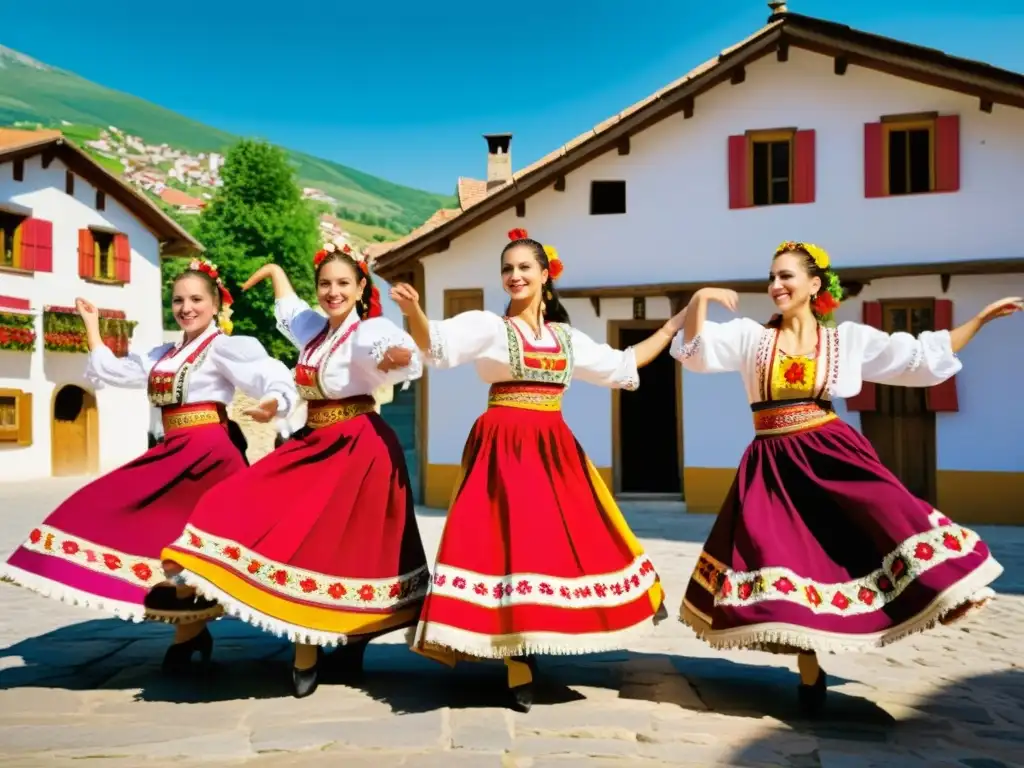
<point>648,425</point>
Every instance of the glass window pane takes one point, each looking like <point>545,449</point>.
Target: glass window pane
<point>920,148</point>
<point>780,160</point>
<point>760,173</point>
<point>780,192</point>
<point>897,320</point>
<point>898,183</point>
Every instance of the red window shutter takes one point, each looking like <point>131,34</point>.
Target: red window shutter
<point>867,398</point>
<point>874,179</point>
<point>947,153</point>
<point>86,254</point>
<point>122,259</point>
<point>9,302</point>
<point>739,188</point>
<point>942,398</point>
<point>37,245</point>
<point>803,167</point>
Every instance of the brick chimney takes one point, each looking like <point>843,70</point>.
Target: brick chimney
<point>499,159</point>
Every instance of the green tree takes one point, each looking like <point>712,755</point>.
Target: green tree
<point>257,216</point>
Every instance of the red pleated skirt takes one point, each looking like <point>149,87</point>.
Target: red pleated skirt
<point>535,556</point>
<point>318,540</point>
<point>101,548</point>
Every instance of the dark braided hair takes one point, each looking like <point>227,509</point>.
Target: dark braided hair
<point>554,311</point>
<point>364,304</point>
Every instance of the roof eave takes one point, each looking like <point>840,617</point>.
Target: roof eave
<point>527,184</point>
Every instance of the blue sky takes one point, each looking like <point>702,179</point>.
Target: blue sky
<point>404,90</point>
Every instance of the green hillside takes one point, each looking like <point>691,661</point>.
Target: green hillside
<point>35,92</point>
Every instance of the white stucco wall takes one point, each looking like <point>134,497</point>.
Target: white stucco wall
<point>679,228</point>
<point>123,414</point>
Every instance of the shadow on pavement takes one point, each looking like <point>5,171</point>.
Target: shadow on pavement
<point>948,729</point>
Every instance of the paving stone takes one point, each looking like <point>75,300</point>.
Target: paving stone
<point>944,699</point>
<point>533,747</point>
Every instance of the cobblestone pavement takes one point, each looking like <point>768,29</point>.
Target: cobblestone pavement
<point>75,684</point>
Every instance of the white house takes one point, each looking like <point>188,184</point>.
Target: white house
<point>69,229</point>
<point>904,162</point>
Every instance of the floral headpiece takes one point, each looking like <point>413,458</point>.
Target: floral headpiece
<point>210,270</point>
<point>555,264</point>
<point>828,299</point>
<point>362,260</point>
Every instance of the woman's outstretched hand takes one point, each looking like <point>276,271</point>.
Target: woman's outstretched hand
<point>264,412</point>
<point>405,296</point>
<point>261,274</point>
<point>394,358</point>
<point>1002,308</point>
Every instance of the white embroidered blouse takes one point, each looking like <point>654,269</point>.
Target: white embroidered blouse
<point>346,360</point>
<point>223,364</point>
<point>504,349</point>
<point>847,357</point>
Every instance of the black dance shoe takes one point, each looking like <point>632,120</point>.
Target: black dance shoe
<point>163,604</point>
<point>522,695</point>
<point>179,656</point>
<point>306,681</point>
<point>812,697</point>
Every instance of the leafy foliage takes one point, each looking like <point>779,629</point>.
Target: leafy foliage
<point>256,217</point>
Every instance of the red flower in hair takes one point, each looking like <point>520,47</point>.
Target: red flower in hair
<point>364,268</point>
<point>555,268</point>
<point>318,257</point>
<point>375,309</point>
<point>225,298</point>
<point>825,304</point>
<point>345,249</point>
<point>517,234</point>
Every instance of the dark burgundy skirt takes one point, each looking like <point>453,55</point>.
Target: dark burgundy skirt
<point>818,547</point>
<point>101,548</point>
<point>318,540</point>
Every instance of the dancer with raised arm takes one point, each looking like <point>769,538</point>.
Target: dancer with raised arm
<point>536,557</point>
<point>101,548</point>
<point>818,547</point>
<point>317,541</point>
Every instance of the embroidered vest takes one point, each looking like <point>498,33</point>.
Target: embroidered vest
<point>539,364</point>
<point>167,388</point>
<point>307,374</point>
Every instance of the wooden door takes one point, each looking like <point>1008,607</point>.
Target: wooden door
<point>902,429</point>
<point>74,433</point>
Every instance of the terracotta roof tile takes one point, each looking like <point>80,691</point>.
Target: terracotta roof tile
<point>820,27</point>
<point>470,191</point>
<point>15,138</point>
<point>173,196</point>
<point>440,217</point>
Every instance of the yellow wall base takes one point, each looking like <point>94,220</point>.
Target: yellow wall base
<point>440,480</point>
<point>986,498</point>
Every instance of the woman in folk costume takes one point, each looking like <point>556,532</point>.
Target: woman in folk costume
<point>318,541</point>
<point>535,556</point>
<point>818,547</point>
<point>101,548</point>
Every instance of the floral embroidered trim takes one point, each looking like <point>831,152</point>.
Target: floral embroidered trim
<point>911,559</point>
<point>140,571</point>
<point>916,358</point>
<point>688,349</point>
<point>597,591</point>
<point>547,367</point>
<point>290,582</point>
<point>631,381</point>
<point>438,351</point>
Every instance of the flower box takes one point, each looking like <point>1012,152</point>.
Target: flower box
<point>17,331</point>
<point>64,330</point>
